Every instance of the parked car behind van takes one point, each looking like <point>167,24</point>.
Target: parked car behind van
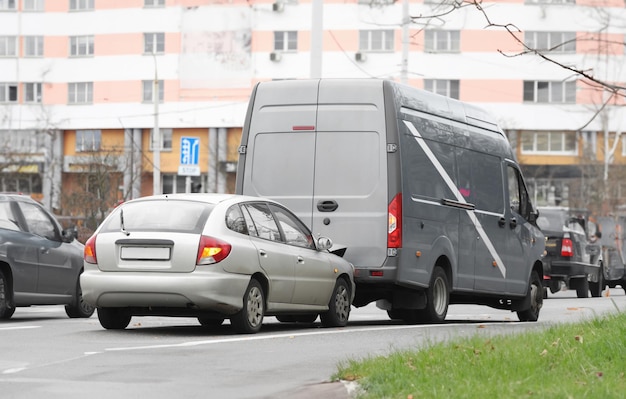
<point>40,263</point>
<point>421,191</point>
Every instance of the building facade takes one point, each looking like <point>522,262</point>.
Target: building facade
<point>80,128</point>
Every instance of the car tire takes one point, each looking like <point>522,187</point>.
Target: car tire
<point>535,291</point>
<point>437,299</point>
<point>114,318</point>
<point>596,288</point>
<point>6,310</point>
<point>582,288</point>
<point>80,308</point>
<point>250,318</point>
<point>338,307</point>
<point>210,322</point>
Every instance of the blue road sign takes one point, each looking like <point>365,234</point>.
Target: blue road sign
<point>189,150</point>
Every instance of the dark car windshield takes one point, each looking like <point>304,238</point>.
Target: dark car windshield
<point>161,215</point>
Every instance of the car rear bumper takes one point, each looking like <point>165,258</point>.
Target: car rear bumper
<point>571,269</point>
<point>203,291</point>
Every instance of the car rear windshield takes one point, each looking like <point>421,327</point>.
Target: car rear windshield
<point>161,215</point>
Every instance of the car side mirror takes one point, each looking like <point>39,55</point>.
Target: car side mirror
<point>324,243</point>
<point>70,234</point>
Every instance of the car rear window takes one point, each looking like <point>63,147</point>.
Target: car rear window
<point>165,216</point>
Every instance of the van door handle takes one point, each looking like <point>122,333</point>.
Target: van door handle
<point>501,221</point>
<point>327,206</point>
<point>513,223</point>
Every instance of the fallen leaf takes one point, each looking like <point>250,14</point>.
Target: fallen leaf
<point>579,338</point>
<point>599,374</point>
<point>481,326</point>
<point>544,352</point>
<point>573,308</point>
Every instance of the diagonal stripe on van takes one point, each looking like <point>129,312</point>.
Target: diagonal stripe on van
<point>459,197</point>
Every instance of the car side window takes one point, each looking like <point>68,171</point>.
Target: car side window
<point>7,219</point>
<point>264,222</point>
<point>235,220</point>
<point>39,222</point>
<point>295,232</point>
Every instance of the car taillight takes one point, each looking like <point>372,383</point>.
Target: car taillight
<point>89,253</point>
<point>567,248</point>
<point>394,233</point>
<point>211,250</point>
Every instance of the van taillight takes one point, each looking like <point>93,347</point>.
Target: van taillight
<point>89,252</point>
<point>211,250</point>
<point>394,233</point>
<point>567,248</point>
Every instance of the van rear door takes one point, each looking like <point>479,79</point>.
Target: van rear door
<point>320,149</point>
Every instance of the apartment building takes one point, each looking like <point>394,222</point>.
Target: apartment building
<point>107,100</point>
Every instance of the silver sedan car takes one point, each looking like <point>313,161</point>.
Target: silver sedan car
<point>213,256</point>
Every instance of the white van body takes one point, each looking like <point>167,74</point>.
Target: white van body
<point>422,191</point>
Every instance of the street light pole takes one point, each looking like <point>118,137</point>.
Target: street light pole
<point>156,137</point>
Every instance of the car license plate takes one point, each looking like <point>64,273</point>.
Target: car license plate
<point>145,253</point>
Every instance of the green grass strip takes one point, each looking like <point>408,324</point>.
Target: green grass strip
<point>569,361</point>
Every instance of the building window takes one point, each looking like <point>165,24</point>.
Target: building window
<point>7,5</point>
<point>555,42</point>
<point>448,88</point>
<point>550,92</point>
<point>33,46</point>
<point>81,46</point>
<point>32,92</point>
<point>550,1</point>
<point>555,143</point>
<point>88,140</point>
<point>177,184</point>
<point>376,40</point>
<point>154,3</point>
<point>34,5</point>
<point>148,91</point>
<point>8,92</point>
<point>81,5</point>
<point>438,41</point>
<point>8,46</point>
<point>286,40</point>
<point>166,139</point>
<point>154,43</point>
<point>80,93</point>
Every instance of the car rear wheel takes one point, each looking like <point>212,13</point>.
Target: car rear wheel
<point>535,291</point>
<point>597,287</point>
<point>250,318</point>
<point>6,310</point>
<point>80,308</point>
<point>114,318</point>
<point>338,307</point>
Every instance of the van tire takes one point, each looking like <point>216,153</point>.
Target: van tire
<point>437,298</point>
<point>535,291</point>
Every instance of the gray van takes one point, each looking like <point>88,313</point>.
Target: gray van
<point>420,192</point>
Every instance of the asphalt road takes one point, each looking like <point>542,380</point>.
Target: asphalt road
<point>43,354</point>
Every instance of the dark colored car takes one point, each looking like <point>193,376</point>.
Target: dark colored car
<point>573,255</point>
<point>40,263</point>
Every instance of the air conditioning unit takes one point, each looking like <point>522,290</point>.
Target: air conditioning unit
<point>360,57</point>
<point>278,7</point>
<point>276,57</point>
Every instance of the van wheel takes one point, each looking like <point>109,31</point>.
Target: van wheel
<point>597,287</point>
<point>535,291</point>
<point>250,318</point>
<point>437,298</point>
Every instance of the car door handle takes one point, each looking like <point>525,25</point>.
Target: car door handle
<point>327,206</point>
<point>502,221</point>
<point>300,259</point>
<point>513,223</point>
<point>44,250</point>
<point>262,252</point>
